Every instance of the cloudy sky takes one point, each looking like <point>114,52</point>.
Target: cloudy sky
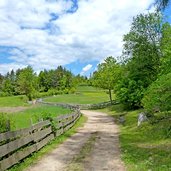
<point>77,34</point>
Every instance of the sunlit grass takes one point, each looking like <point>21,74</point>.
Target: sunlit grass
<point>84,95</point>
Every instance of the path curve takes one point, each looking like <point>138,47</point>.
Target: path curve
<point>105,154</point>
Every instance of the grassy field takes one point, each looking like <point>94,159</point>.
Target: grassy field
<point>147,147</point>
<point>84,95</point>
<point>13,101</point>
<point>23,119</point>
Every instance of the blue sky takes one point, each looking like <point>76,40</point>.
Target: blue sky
<point>77,34</point>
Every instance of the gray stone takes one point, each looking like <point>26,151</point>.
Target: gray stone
<point>141,118</point>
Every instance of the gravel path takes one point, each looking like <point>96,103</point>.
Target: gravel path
<point>104,154</point>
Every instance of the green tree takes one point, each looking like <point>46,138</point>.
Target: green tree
<point>107,75</point>
<point>142,58</point>
<point>158,95</point>
<point>27,82</point>
<point>166,49</point>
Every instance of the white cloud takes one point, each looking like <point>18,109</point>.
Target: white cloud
<point>86,68</point>
<point>92,33</point>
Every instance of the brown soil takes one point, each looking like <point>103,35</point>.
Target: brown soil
<point>95,147</point>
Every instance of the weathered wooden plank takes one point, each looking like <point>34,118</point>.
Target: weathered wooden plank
<point>59,118</point>
<point>41,124</point>
<point>14,145</point>
<point>62,117</point>
<point>42,143</point>
<point>16,157</point>
<point>22,132</point>
<point>59,132</point>
<point>41,134</point>
<point>59,125</point>
<point>14,134</point>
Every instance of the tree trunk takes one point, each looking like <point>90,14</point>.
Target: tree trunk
<point>110,95</point>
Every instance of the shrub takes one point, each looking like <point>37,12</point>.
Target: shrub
<point>158,95</point>
<point>130,92</point>
<point>72,90</point>
<point>3,122</point>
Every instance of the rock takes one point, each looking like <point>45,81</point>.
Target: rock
<point>121,119</point>
<point>141,118</point>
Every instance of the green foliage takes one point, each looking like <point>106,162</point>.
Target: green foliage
<point>130,93</point>
<point>107,75</point>
<point>3,122</point>
<point>142,58</point>
<point>166,49</point>
<point>27,82</point>
<point>158,95</point>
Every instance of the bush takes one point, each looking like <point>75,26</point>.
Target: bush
<point>72,90</point>
<point>158,95</point>
<point>130,92</point>
<point>3,122</point>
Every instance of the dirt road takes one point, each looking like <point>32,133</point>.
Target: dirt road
<point>94,148</point>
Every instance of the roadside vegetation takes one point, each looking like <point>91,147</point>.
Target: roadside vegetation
<point>147,147</point>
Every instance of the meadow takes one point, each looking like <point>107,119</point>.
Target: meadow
<point>13,101</point>
<point>83,95</point>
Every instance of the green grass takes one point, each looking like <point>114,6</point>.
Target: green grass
<point>88,88</point>
<point>83,98</point>
<point>143,148</point>
<point>84,95</point>
<point>13,101</point>
<point>48,148</point>
<point>22,119</point>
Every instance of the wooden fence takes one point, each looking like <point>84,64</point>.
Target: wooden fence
<point>97,105</point>
<point>81,106</point>
<point>17,145</point>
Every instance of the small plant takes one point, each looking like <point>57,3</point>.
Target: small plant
<point>3,122</point>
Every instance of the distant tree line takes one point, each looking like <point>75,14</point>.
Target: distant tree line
<point>48,82</point>
<point>141,77</point>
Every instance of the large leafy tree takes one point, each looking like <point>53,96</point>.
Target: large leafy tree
<point>158,95</point>
<point>166,49</point>
<point>142,57</point>
<point>27,82</point>
<point>107,75</point>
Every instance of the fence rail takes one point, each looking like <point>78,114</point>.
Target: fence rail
<point>81,106</point>
<point>17,145</point>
